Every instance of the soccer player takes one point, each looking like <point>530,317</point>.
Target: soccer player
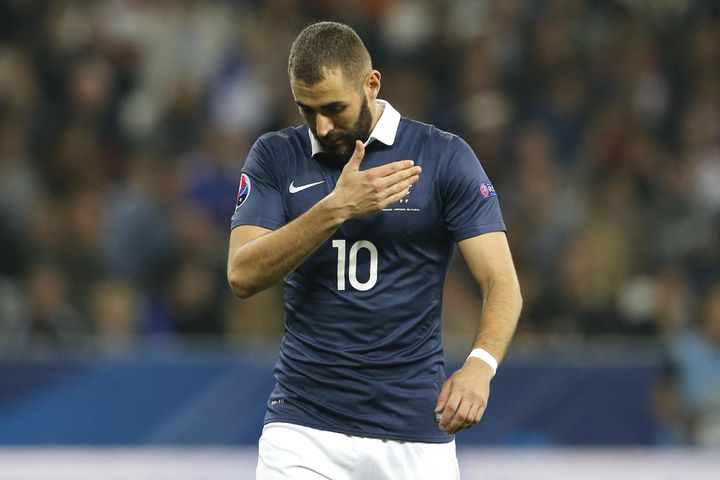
<point>359,211</point>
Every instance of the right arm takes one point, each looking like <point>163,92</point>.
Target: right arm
<point>259,257</point>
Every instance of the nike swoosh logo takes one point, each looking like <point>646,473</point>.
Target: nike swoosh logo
<point>293,189</point>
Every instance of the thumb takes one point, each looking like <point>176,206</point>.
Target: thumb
<point>357,156</point>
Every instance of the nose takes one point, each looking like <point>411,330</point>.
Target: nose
<point>323,125</point>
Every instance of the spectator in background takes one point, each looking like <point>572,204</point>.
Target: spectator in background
<point>20,184</point>
<point>114,306</point>
<point>193,300</point>
<point>673,424</point>
<point>52,320</point>
<point>695,353</point>
<point>137,226</point>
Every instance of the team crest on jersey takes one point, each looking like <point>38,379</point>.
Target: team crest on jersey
<point>487,190</point>
<point>243,191</point>
<point>402,204</point>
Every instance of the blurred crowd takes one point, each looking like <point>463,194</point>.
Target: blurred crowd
<point>124,125</point>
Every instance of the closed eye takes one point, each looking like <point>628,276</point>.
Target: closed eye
<point>328,110</point>
<point>335,109</point>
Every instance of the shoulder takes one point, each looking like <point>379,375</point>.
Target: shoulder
<point>451,155</point>
<point>285,140</point>
<point>430,135</point>
<point>273,151</point>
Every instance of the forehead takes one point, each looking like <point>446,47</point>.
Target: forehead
<point>335,87</point>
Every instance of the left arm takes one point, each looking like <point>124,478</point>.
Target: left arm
<point>464,396</point>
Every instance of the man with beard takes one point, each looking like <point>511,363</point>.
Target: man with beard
<point>359,211</point>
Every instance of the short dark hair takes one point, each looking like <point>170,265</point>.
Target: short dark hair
<point>328,45</point>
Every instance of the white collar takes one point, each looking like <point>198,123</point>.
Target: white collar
<point>385,129</point>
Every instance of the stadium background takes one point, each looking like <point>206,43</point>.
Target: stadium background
<point>123,128</point>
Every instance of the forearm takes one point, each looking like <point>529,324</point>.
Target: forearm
<point>264,261</point>
<point>465,394</point>
<point>502,303</point>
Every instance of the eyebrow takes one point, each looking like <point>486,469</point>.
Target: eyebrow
<point>322,107</point>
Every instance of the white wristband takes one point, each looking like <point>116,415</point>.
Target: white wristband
<point>486,357</point>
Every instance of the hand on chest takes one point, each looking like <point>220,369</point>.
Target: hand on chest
<point>311,181</point>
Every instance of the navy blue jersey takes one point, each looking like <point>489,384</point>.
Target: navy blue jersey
<point>362,352</point>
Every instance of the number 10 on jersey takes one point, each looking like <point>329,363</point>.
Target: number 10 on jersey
<point>352,264</point>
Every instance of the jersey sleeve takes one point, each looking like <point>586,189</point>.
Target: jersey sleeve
<point>471,204</point>
<point>259,199</point>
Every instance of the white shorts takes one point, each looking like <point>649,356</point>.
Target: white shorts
<point>288,451</point>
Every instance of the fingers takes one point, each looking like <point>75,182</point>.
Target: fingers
<point>400,176</point>
<point>391,168</point>
<point>460,409</point>
<point>460,414</point>
<point>456,414</point>
<point>478,414</point>
<point>396,186</point>
<point>374,189</point>
<point>402,191</point>
<point>443,397</point>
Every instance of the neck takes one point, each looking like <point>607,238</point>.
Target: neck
<point>376,110</point>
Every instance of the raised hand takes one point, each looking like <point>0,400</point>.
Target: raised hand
<point>361,192</point>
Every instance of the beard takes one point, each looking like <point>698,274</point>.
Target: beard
<point>342,145</point>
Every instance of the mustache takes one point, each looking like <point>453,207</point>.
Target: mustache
<point>332,138</point>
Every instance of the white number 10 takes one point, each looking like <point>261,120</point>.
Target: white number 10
<point>352,261</point>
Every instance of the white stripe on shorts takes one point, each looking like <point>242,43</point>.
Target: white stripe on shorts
<point>288,451</point>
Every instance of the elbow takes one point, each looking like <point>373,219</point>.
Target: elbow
<point>520,301</point>
<point>518,297</point>
<point>241,292</point>
<point>511,291</point>
<point>518,291</point>
<point>239,286</point>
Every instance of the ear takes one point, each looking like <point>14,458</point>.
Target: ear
<point>372,85</point>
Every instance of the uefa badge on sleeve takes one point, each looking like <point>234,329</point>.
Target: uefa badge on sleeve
<point>243,191</point>
<point>487,190</point>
